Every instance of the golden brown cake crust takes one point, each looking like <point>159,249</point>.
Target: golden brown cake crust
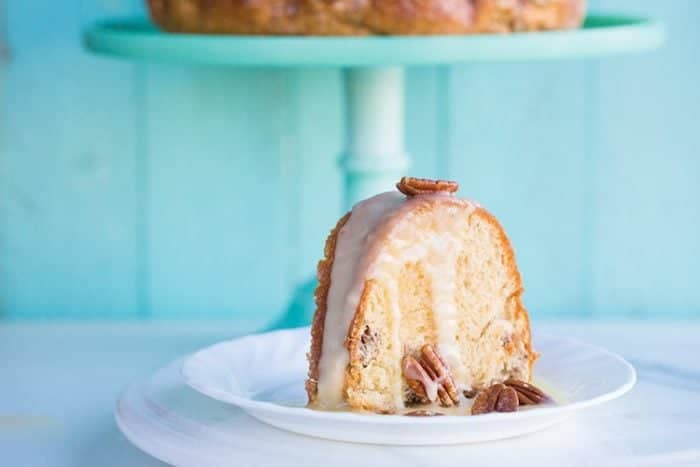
<point>321,296</point>
<point>520,313</point>
<point>361,17</point>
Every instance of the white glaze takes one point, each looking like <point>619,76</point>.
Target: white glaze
<point>437,254</point>
<point>347,280</point>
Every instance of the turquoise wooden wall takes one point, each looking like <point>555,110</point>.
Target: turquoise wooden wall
<point>164,191</point>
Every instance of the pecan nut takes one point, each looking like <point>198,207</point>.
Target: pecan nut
<point>486,400</point>
<point>507,397</point>
<point>507,400</point>
<point>411,186</point>
<point>429,377</point>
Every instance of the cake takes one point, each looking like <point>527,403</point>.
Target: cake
<point>363,17</point>
<point>418,306</point>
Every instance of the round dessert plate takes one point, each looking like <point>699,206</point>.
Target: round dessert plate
<point>600,35</point>
<point>264,375</point>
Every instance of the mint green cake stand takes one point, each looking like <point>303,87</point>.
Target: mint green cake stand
<point>374,156</point>
<point>601,35</point>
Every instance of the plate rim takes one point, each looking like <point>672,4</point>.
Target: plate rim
<point>251,405</point>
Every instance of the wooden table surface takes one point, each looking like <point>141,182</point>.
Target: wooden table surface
<point>60,381</point>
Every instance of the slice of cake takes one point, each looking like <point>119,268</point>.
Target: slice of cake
<point>418,304</point>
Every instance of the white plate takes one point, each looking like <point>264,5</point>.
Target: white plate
<point>264,375</point>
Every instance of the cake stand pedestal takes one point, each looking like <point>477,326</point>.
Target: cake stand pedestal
<point>374,156</point>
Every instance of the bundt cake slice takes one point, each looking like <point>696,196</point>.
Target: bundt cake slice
<point>418,302</point>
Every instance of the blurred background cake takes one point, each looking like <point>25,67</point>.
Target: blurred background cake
<point>361,17</point>
<point>419,300</point>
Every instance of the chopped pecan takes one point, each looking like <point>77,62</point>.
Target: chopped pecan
<point>410,186</point>
<point>369,346</point>
<point>429,377</point>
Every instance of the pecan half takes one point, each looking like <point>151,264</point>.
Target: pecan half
<point>429,377</point>
<point>528,394</point>
<point>507,400</point>
<point>486,400</point>
<point>411,186</point>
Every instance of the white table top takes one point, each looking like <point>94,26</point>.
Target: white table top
<point>60,381</point>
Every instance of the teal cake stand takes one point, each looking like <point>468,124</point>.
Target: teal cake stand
<point>374,156</point>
